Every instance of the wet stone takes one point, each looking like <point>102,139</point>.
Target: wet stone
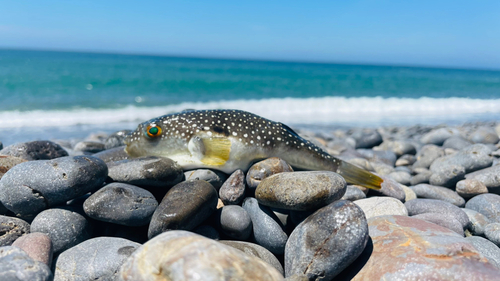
<point>421,206</point>
<point>256,251</point>
<point>215,178</point>
<point>16,265</point>
<point>121,203</point>
<point>447,175</point>
<point>469,188</point>
<point>184,255</point>
<point>490,177</point>
<point>444,221</point>
<point>7,162</point>
<point>478,221</point>
<point>185,206</point>
<point>487,248</point>
<point>267,229</point>
<point>353,193</point>
<point>116,139</point>
<point>149,171</point>
<point>484,135</point>
<point>472,158</point>
<point>487,204</point>
<point>11,229</point>
<point>64,225</point>
<point>380,206</point>
<point>492,233</point>
<point>438,192</point>
<point>50,183</point>
<point>232,191</point>
<point>366,138</point>
<point>37,245</point>
<point>113,154</point>
<point>89,147</point>
<point>266,168</point>
<point>327,242</point>
<point>35,150</point>
<point>300,191</point>
<point>235,222</point>
<point>427,154</point>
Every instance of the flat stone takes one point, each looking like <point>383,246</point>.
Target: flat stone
<point>409,193</point>
<point>405,160</point>
<point>490,177</point>
<point>487,248</point>
<point>11,229</point>
<point>16,265</point>
<point>366,137</point>
<point>406,248</point>
<point>256,251</point>
<point>116,139</point>
<point>478,221</point>
<point>447,175</point>
<point>421,178</point>
<point>352,193</point>
<point>456,142</point>
<point>401,177</point>
<point>266,168</point>
<point>37,245</point>
<point>112,154</point>
<point>380,206</point>
<point>390,188</point>
<point>439,136</point>
<point>64,225</point>
<point>267,228</point>
<point>35,150</point>
<point>487,204</point>
<point>233,189</point>
<point>89,147</point>
<point>427,154</point>
<point>472,158</point>
<point>7,162</point>
<point>484,135</point>
<point>215,178</point>
<point>50,183</point>
<point>327,242</point>
<point>183,255</point>
<point>399,147</point>
<point>149,171</point>
<point>444,221</point>
<point>438,192</point>
<point>421,206</point>
<point>492,233</point>
<point>121,203</point>
<point>300,191</point>
<point>185,206</point>
<point>235,222</point>
<point>107,255</point>
<point>469,188</point>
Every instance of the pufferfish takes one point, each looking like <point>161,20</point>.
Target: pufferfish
<point>227,140</point>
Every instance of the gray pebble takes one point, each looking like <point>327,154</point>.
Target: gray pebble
<point>438,136</point>
<point>112,154</point>
<point>37,245</point>
<point>232,191</point>
<point>399,147</point>
<point>487,204</point>
<point>380,206</point>
<point>421,178</point>
<point>444,221</point>
<point>95,259</point>
<point>405,160</point>
<point>121,203</point>
<point>256,251</point>
<point>427,154</point>
<point>366,137</point>
<point>438,192</point>
<point>116,139</point>
<point>235,222</point>
<point>409,193</point>
<point>383,156</point>
<point>148,171</point>
<point>487,248</point>
<point>65,227</point>
<point>401,177</point>
<point>456,142</point>
<point>490,177</point>
<point>267,229</point>
<point>492,233</point>
<point>215,178</point>
<point>390,188</point>
<point>469,188</point>
<point>11,229</point>
<point>382,169</point>
<point>35,150</point>
<point>266,168</point>
<point>447,175</point>
<point>185,206</point>
<point>16,265</point>
<point>472,158</point>
<point>484,135</point>
<point>421,206</point>
<point>89,147</point>
<point>478,221</point>
<point>353,193</point>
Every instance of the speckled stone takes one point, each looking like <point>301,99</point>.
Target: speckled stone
<point>266,168</point>
<point>427,154</point>
<point>447,175</point>
<point>399,147</point>
<point>16,265</point>
<point>456,142</point>
<point>116,139</point>
<point>366,137</point>
<point>421,177</point>
<point>487,204</point>
<point>97,259</point>
<point>439,136</point>
<point>390,188</point>
<point>380,206</point>
<point>438,192</point>
<point>352,193</point>
<point>490,177</point>
<point>11,229</point>
<point>444,221</point>
<point>37,245</point>
<point>484,135</point>
<point>89,147</point>
<point>469,188</point>
<point>183,255</point>
<point>35,150</point>
<point>235,222</point>
<point>233,189</point>
<point>50,183</point>
<point>185,206</point>
<point>327,241</point>
<point>478,221</point>
<point>112,154</point>
<point>64,225</point>
<point>421,206</point>
<point>487,248</point>
<point>7,162</point>
<point>492,233</point>
<point>149,171</point>
<point>256,251</point>
<point>267,228</point>
<point>121,203</point>
<point>406,248</point>
<point>300,191</point>
<point>472,158</point>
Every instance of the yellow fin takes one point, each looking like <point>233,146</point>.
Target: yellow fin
<point>217,151</point>
<point>355,175</point>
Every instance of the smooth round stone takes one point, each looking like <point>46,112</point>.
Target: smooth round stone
<point>183,255</point>
<point>444,221</point>
<point>7,162</point>
<point>207,231</point>
<point>427,154</point>
<point>383,156</point>
<point>300,191</point>
<point>421,178</point>
<point>398,147</point>
<point>35,150</point>
<point>149,171</point>
<point>65,227</point>
<point>89,147</point>
<point>382,169</point>
<point>469,188</point>
<point>37,245</point>
<point>107,255</point>
<point>11,229</point>
<point>235,222</point>
<point>380,206</point>
<point>484,135</point>
<point>405,160</point>
<point>447,176</point>
<point>391,188</point>
<point>256,251</point>
<point>326,242</point>
<point>215,178</point>
<point>439,136</point>
<point>438,192</point>
<point>366,138</point>
<point>112,154</point>
<point>116,139</point>
<point>266,168</point>
<point>406,248</point>
<point>472,158</point>
<point>490,177</point>
<point>185,206</point>
<point>267,229</point>
<point>421,206</point>
<point>487,204</point>
<point>362,163</point>
<point>121,203</point>
<point>478,222</point>
<point>492,232</point>
<point>232,190</point>
<point>50,183</point>
<point>456,142</point>
<point>487,248</point>
<point>16,265</point>
<point>401,177</point>
<point>409,193</point>
<point>352,193</point>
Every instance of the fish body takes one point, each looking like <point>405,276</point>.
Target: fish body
<point>228,140</point>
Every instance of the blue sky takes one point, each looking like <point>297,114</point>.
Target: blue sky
<point>404,32</point>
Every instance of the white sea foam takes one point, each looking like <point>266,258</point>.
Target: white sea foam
<point>326,110</point>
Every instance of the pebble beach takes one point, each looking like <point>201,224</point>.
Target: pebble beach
<point>82,209</point>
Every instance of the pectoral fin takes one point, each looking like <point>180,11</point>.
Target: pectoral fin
<point>217,150</point>
<point>355,175</point>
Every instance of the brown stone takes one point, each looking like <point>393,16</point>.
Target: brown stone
<point>37,245</point>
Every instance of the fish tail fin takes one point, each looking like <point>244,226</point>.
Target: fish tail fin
<point>355,175</point>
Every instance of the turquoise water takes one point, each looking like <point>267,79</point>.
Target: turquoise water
<point>69,91</point>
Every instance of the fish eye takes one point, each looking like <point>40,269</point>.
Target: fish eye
<point>153,131</point>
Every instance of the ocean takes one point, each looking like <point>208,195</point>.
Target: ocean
<point>64,95</point>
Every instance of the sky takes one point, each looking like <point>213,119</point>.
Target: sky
<point>457,34</point>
